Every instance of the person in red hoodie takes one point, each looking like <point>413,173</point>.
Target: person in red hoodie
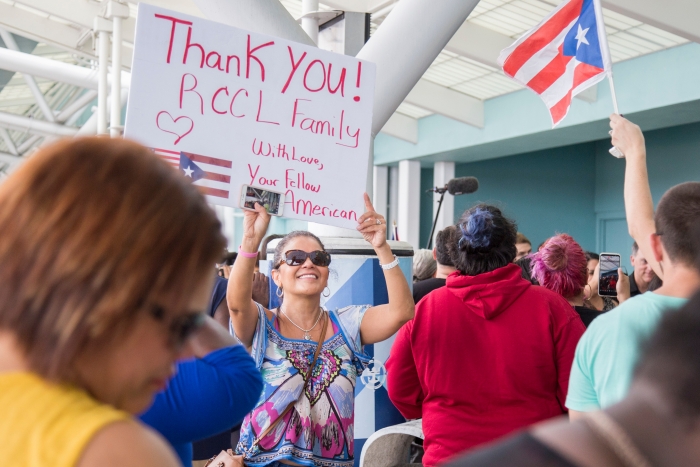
<point>489,353</point>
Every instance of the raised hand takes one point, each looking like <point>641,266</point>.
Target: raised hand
<point>255,224</point>
<point>626,136</point>
<point>623,286</point>
<point>372,225</point>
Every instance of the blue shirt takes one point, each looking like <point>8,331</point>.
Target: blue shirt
<point>206,397</point>
<point>609,349</point>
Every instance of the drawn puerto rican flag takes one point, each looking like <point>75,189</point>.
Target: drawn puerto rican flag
<point>211,175</point>
<point>562,56</point>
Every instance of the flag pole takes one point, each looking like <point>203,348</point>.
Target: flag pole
<point>613,150</point>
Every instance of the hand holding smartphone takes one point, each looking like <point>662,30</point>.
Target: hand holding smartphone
<point>609,276</point>
<point>272,201</point>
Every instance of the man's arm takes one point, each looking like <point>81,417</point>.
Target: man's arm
<point>639,207</point>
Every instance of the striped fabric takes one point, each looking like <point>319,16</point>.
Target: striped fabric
<point>562,56</point>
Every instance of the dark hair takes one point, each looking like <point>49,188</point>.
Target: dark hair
<point>590,255</point>
<point>635,249</point>
<point>93,233</point>
<point>442,239</point>
<point>671,359</point>
<point>487,241</point>
<point>677,218</point>
<point>525,269</point>
<point>282,245</point>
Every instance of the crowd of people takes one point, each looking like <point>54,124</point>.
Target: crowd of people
<point>120,346</point>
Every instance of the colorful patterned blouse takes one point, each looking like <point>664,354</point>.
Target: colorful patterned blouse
<point>319,431</point>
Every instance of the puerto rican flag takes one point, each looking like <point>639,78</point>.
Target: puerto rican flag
<point>211,175</point>
<point>562,56</point>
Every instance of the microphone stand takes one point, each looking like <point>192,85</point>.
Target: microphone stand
<point>437,214</point>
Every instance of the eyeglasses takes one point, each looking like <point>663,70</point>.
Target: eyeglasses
<point>180,328</point>
<point>298,257</point>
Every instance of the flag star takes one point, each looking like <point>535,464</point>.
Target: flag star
<point>188,172</point>
<point>581,36</point>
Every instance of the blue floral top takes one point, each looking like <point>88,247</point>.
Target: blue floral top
<point>319,430</point>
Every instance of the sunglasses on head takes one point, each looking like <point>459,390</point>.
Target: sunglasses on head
<point>298,257</point>
<point>180,328</point>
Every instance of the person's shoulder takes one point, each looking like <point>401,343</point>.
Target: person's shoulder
<point>128,443</point>
<point>640,310</point>
<point>554,303</point>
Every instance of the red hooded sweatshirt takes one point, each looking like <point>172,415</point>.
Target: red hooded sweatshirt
<point>483,356</point>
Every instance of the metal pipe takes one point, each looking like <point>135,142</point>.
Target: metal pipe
<point>24,147</point>
<point>262,16</point>
<point>418,26</point>
<point>115,119</point>
<point>102,83</point>
<point>89,128</point>
<point>8,142</point>
<point>33,87</point>
<point>309,23</point>
<point>76,105</point>
<point>54,70</point>
<point>32,125</point>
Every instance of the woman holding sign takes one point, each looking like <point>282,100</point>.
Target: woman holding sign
<point>309,356</point>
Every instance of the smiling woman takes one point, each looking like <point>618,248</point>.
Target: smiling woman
<point>105,253</point>
<point>309,357</point>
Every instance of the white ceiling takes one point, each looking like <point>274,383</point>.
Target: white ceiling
<point>62,30</point>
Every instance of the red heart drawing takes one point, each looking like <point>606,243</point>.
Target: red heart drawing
<point>170,125</point>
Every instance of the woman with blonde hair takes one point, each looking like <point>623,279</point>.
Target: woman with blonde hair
<point>105,268</point>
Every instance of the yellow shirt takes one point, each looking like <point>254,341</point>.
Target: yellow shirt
<point>47,425</point>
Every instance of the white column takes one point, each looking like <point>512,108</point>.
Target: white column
<point>409,202</point>
<point>116,11</point>
<point>309,23</point>
<point>443,172</point>
<point>381,191</point>
<point>102,28</point>
<point>422,27</point>
<point>393,196</point>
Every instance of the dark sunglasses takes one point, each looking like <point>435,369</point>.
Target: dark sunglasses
<point>298,257</point>
<point>181,327</point>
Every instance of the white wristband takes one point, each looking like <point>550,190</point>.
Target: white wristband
<point>391,265</point>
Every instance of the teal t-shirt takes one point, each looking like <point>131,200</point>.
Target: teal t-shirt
<point>608,351</point>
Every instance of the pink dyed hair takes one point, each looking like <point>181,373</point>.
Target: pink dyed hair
<point>561,266</point>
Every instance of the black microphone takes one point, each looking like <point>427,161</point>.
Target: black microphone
<point>462,185</point>
<point>457,186</point>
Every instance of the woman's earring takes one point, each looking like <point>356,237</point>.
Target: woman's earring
<point>279,292</point>
<point>328,294</point>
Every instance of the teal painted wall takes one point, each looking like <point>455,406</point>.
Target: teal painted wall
<point>575,189</point>
<point>544,192</point>
<point>673,157</point>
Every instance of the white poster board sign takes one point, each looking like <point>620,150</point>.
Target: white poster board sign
<point>230,108</point>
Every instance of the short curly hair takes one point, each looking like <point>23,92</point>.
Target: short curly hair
<point>561,266</point>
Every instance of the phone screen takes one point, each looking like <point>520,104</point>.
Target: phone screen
<point>609,264</point>
<point>270,200</point>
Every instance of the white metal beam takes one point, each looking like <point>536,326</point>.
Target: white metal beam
<point>452,104</point>
<point>679,17</point>
<point>262,16</point>
<point>188,7</point>
<point>5,135</point>
<point>478,43</point>
<point>32,125</point>
<point>40,29</point>
<point>402,127</point>
<point>52,69</point>
<point>80,12</point>
<point>31,83</point>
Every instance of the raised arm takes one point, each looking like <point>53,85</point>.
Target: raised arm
<point>241,307</point>
<point>639,206</point>
<point>381,322</point>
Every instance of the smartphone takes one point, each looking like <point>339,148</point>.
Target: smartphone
<point>272,201</point>
<point>607,281</point>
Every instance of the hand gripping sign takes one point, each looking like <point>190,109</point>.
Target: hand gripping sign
<point>229,108</point>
